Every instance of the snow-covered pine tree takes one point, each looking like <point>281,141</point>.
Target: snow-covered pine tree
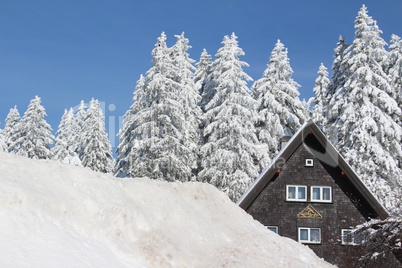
<point>201,75</point>
<point>64,147</point>
<point>96,152</point>
<point>60,148</point>
<point>209,88</point>
<point>127,150</point>
<point>395,72</point>
<point>361,113</point>
<point>9,131</point>
<point>319,100</point>
<point>230,154</point>
<point>3,147</point>
<point>380,237</point>
<point>76,138</point>
<point>189,98</point>
<point>160,142</point>
<point>33,136</point>
<point>141,127</point>
<point>280,110</point>
<point>338,70</point>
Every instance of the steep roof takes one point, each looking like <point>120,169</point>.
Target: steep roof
<point>331,157</point>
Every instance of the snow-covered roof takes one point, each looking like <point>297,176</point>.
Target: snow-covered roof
<point>331,157</point>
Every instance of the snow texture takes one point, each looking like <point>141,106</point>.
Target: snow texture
<point>55,215</point>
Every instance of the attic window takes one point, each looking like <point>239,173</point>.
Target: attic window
<point>310,235</point>
<point>309,162</point>
<point>296,193</point>
<point>321,194</point>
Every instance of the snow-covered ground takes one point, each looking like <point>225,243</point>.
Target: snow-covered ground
<point>55,215</point>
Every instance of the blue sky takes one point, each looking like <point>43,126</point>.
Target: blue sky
<point>66,51</point>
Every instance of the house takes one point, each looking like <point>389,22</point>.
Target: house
<point>310,194</point>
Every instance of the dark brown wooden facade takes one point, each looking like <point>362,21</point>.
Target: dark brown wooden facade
<point>334,201</point>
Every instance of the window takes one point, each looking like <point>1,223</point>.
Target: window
<point>309,162</point>
<point>310,235</point>
<point>273,229</point>
<point>321,193</point>
<point>349,238</point>
<point>296,193</point>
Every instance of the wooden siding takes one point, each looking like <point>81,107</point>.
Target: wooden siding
<point>347,209</point>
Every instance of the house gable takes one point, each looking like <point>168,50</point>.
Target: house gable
<point>320,149</point>
<point>309,187</point>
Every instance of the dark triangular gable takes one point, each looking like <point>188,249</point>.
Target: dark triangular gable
<point>328,155</point>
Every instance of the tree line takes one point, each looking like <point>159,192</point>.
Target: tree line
<point>201,122</point>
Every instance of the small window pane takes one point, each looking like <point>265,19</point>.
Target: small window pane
<point>301,193</point>
<point>358,238</point>
<point>273,229</point>
<point>316,193</point>
<point>315,235</point>
<point>304,234</point>
<point>326,194</point>
<point>347,237</point>
<point>292,192</point>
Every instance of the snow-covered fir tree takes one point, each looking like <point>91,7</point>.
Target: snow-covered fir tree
<point>127,150</point>
<point>209,87</point>
<point>361,113</point>
<point>380,237</point>
<point>9,131</point>
<point>64,148</point>
<point>281,113</point>
<point>140,132</point>
<point>162,142</point>
<point>76,138</point>
<point>3,147</point>
<point>33,137</point>
<point>189,98</point>
<point>395,71</point>
<point>96,151</point>
<point>231,151</point>
<point>319,100</point>
<point>202,73</point>
<point>60,149</point>
<point>338,70</point>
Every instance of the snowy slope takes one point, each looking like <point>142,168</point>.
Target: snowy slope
<point>54,215</point>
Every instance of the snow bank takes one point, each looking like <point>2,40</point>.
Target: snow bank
<point>55,215</point>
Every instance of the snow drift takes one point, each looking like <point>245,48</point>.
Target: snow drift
<point>55,215</point>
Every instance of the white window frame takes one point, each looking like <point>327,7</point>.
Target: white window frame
<point>309,241</point>
<point>353,242</point>
<point>297,199</point>
<point>343,237</point>
<point>321,200</point>
<point>309,162</point>
<point>273,227</point>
